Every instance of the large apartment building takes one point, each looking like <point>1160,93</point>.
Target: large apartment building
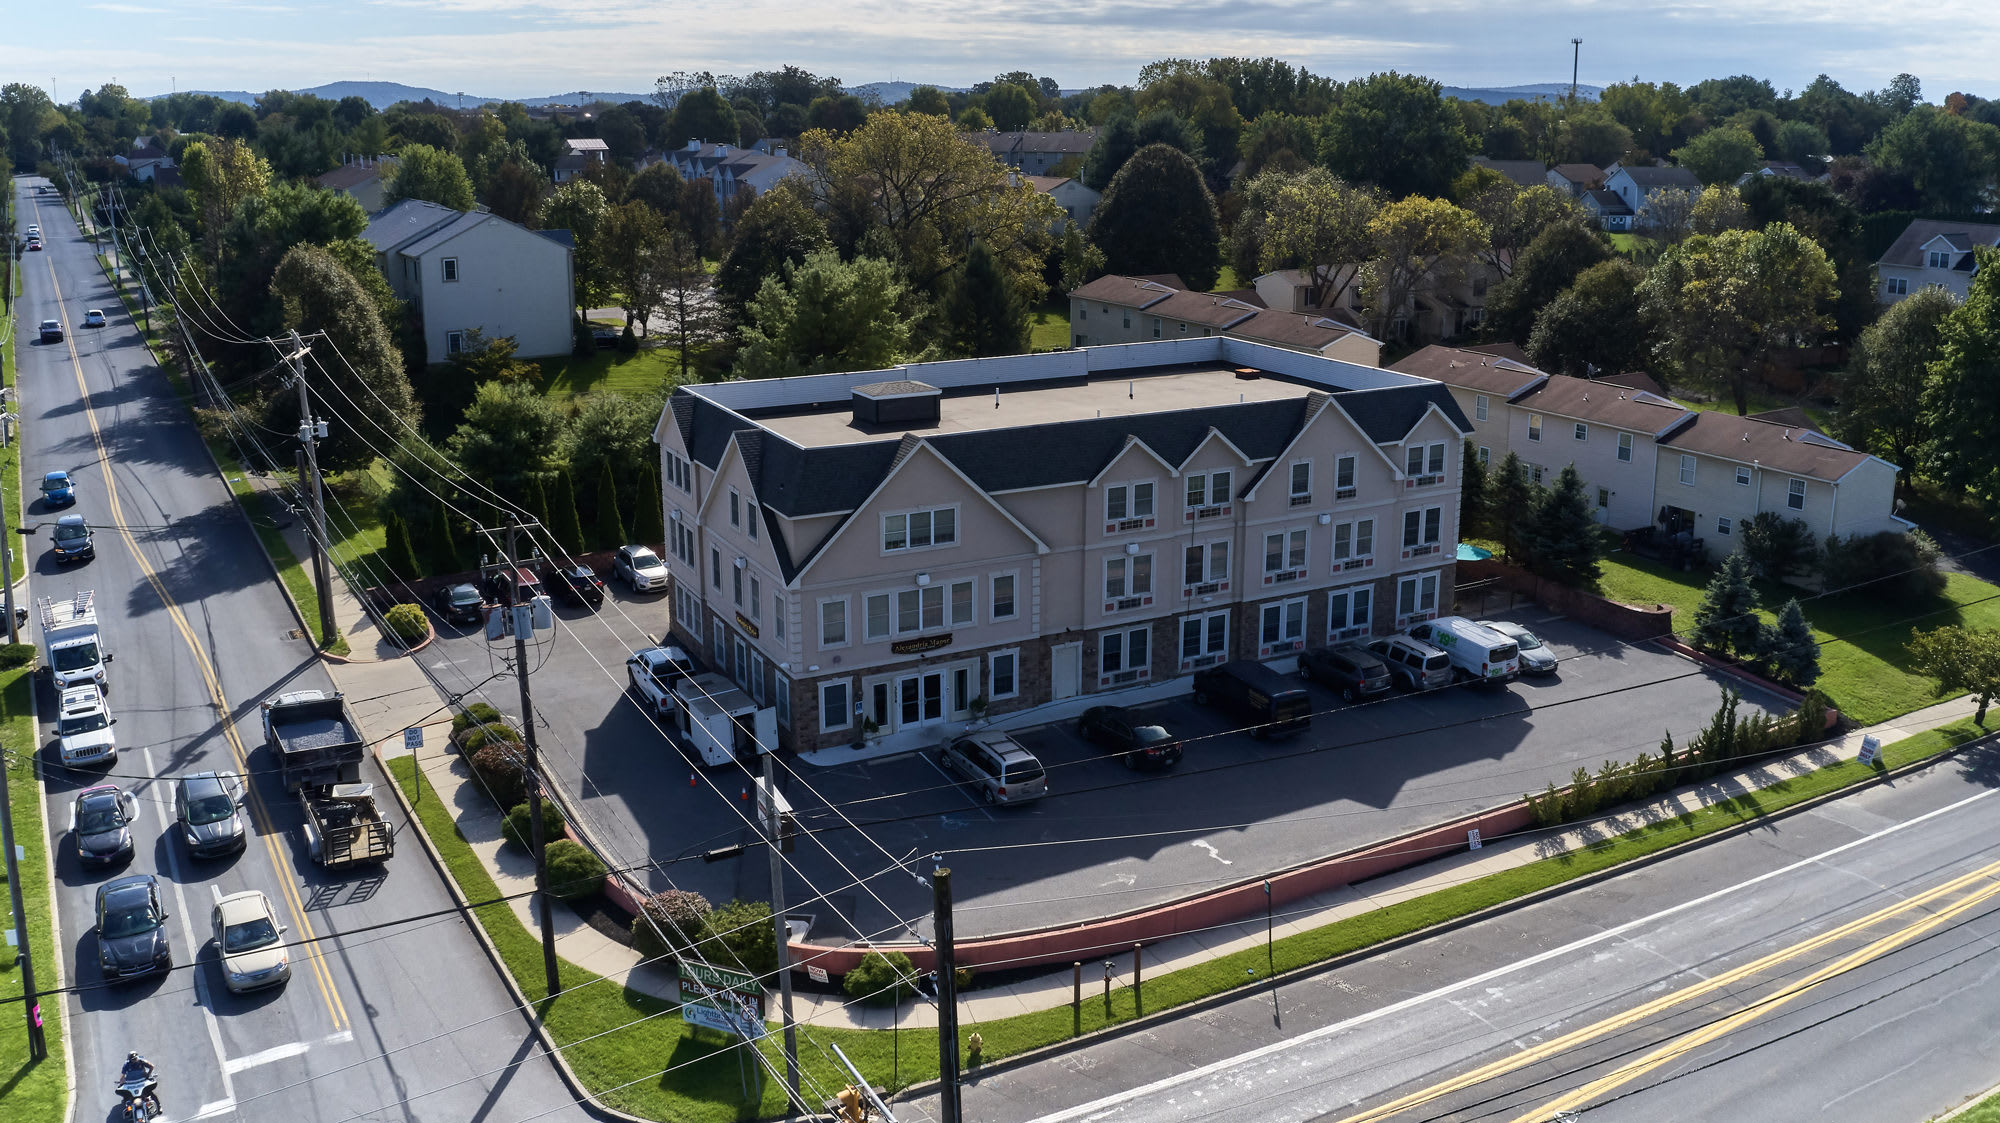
<point>891,546</point>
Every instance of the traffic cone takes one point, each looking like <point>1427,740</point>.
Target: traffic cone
<point>691,781</point>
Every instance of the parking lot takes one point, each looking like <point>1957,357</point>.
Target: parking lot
<point>1107,839</point>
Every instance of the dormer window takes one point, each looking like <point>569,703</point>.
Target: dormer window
<point>1939,259</point>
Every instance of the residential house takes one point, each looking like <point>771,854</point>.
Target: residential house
<point>1120,309</point>
<point>892,547</point>
<point>1576,179</point>
<point>1783,169</point>
<point>362,178</point>
<point>1076,200</point>
<point>475,271</point>
<point>1036,153</point>
<point>731,168</point>
<point>1933,251</point>
<point>1527,173</point>
<point>1444,312</point>
<point>145,159</point>
<point>1608,209</point>
<point>1648,461</point>
<point>578,154</point>
<point>1636,185</point>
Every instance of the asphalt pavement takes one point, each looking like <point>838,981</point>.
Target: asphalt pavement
<point>1831,966</point>
<point>394,1020</point>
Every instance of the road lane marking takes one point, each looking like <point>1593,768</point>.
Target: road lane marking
<point>210,1110</point>
<point>201,998</point>
<point>268,1056</point>
<point>1715,1030</point>
<point>1157,1088</point>
<point>260,814</point>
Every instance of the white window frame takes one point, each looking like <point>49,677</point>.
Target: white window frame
<point>1722,524</point>
<point>454,343</point>
<point>736,584</point>
<point>1345,467</point>
<point>1013,580</point>
<point>1582,431</point>
<point>735,509</point>
<point>1132,571</point>
<point>1896,286</point>
<point>1485,455</point>
<point>1687,470</point>
<point>888,601</point>
<point>1423,531</point>
<point>953,604</point>
<point>1301,496</point>
<point>781,698</point>
<point>1795,494</point>
<point>750,520</point>
<point>1603,498</point>
<point>1434,459</point>
<point>1356,607</point>
<point>1211,636</point>
<point>1012,656</point>
<point>687,610</point>
<point>1213,566</point>
<point>1131,495</point>
<point>1481,407</point>
<point>1216,487</point>
<point>448,269</point>
<point>1419,583</point>
<point>778,616</point>
<point>1126,670</point>
<point>1535,427</point>
<point>906,520</point>
<point>1625,447</point>
<point>846,688</point>
<point>1289,616</point>
<point>715,567</point>
<point>1294,554</point>
<point>756,599</point>
<point>1743,475</point>
<point>1353,544</point>
<point>1937,259</point>
<point>845,634</point>
<point>679,472</point>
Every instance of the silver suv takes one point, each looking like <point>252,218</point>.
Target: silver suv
<point>997,765</point>
<point>1413,664</point>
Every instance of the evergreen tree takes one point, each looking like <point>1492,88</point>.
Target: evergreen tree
<point>1474,488</point>
<point>1727,617</point>
<point>402,556</point>
<point>1561,536</point>
<point>610,528</point>
<point>1158,217</point>
<point>1790,648</point>
<point>1512,498</point>
<point>647,525</point>
<point>984,314</point>
<point>534,501</point>
<point>564,525</point>
<point>443,545</point>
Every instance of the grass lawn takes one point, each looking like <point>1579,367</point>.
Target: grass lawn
<point>1861,638</point>
<point>33,1092</point>
<point>1227,281</point>
<point>1048,326</point>
<point>1761,400</point>
<point>1985,1111</point>
<point>650,370</point>
<point>636,1045</point>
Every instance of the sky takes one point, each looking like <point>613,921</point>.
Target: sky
<point>534,48</point>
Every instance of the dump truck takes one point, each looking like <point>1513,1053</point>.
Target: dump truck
<point>343,825</point>
<point>71,648</point>
<point>313,739</point>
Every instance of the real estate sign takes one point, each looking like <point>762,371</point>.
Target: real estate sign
<point>729,1002</point>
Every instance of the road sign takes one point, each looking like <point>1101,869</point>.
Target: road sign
<point>413,738</point>
<point>815,972</point>
<point>1871,750</point>
<point>1472,839</point>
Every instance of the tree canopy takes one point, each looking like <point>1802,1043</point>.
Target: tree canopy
<point>433,175</point>
<point>1158,217</point>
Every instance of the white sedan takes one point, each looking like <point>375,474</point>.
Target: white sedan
<point>249,939</point>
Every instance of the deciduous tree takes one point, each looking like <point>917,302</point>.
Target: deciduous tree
<point>1549,265</point>
<point>579,207</point>
<point>510,434</point>
<point>357,366</point>
<point>1394,131</point>
<point>1317,224</point>
<point>1962,660</point>
<point>1720,155</point>
<point>780,228</point>
<point>826,315</point>
<point>629,245</point>
<point>1882,389</point>
<point>1950,159</point>
<point>431,174</point>
<point>1421,245</point>
<point>1010,107</point>
<point>1158,217</point>
<point>1961,407</point>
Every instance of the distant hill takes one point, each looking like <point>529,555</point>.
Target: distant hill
<point>382,95</point>
<point>1540,91</point>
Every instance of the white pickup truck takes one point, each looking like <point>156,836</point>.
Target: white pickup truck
<point>653,673</point>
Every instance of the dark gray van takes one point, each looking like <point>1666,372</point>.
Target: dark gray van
<point>1268,701</point>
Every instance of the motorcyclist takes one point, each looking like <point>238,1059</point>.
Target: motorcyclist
<point>138,1070</point>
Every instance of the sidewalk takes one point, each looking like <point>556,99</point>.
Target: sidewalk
<point>389,696</point>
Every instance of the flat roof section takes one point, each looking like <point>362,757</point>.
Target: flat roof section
<point>1107,394</point>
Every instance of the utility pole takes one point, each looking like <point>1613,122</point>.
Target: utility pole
<point>38,1046</point>
<point>111,208</point>
<point>310,433</point>
<point>524,623</point>
<point>947,991</point>
<point>7,579</point>
<point>771,829</point>
<point>1575,54</point>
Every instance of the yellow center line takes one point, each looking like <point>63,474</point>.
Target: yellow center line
<point>1689,1042</point>
<point>1578,1037</point>
<point>260,815</point>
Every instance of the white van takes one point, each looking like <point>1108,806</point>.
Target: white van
<point>1476,652</point>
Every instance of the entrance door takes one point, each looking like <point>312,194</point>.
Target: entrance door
<point>919,699</point>
<point>1065,671</point>
<point>933,696</point>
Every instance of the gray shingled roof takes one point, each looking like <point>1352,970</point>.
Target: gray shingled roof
<point>1908,248</point>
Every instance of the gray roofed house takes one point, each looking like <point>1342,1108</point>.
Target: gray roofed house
<point>473,271</point>
<point>1608,209</point>
<point>893,544</point>
<point>1121,309</point>
<point>579,153</point>
<point>1932,251</point>
<point>363,178</point>
<point>1527,173</point>
<point>1575,178</point>
<point>731,168</point>
<point>1637,183</point>
<point>1034,153</point>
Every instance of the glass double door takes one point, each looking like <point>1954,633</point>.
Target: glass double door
<point>920,697</point>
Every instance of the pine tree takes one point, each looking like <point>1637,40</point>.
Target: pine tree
<point>444,553</point>
<point>402,556</point>
<point>1474,494</point>
<point>1790,647</point>
<point>1562,538</point>
<point>1513,498</point>
<point>564,525</point>
<point>986,315</point>
<point>647,526</point>
<point>534,501</point>
<point>1727,617</point>
<point>610,528</point>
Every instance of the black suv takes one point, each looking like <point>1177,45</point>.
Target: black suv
<point>1349,668</point>
<point>577,584</point>
<point>1140,744</point>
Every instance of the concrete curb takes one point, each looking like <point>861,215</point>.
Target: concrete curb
<point>1448,926</point>
<point>583,1095</point>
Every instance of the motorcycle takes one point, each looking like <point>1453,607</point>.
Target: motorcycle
<point>137,1100</point>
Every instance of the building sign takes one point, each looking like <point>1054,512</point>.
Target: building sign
<point>921,645</point>
<point>747,626</point>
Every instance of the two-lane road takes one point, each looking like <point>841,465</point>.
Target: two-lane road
<point>402,1020</point>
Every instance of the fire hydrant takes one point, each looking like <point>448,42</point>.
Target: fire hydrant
<point>973,1045</point>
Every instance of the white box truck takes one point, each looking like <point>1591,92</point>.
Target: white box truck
<point>70,643</point>
<point>721,722</point>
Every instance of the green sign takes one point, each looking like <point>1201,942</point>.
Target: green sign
<point>717,978</point>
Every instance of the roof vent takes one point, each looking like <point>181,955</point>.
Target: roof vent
<point>915,405</point>
<point>1248,374</point>
<point>1788,434</point>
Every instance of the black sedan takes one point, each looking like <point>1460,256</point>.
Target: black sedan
<point>1139,743</point>
<point>132,928</point>
<point>461,604</point>
<point>207,804</point>
<point>578,584</point>
<point>102,824</point>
